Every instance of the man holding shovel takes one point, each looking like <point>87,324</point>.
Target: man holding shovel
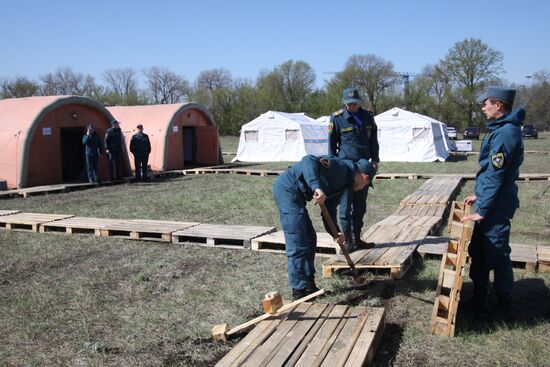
<point>313,178</point>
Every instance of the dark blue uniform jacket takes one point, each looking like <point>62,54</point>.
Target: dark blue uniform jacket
<point>500,158</point>
<point>113,140</point>
<point>140,144</point>
<point>92,144</point>
<point>330,174</point>
<point>349,140</point>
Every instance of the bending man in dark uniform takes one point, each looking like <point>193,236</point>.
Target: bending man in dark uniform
<point>496,200</point>
<point>353,135</point>
<point>316,178</point>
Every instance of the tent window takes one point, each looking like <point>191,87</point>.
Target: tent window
<point>291,135</point>
<point>420,133</point>
<point>251,135</point>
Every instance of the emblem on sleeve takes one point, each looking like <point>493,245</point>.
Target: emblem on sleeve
<point>325,162</point>
<point>497,160</point>
<point>330,127</point>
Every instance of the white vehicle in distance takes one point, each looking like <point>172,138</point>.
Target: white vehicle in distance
<point>451,132</point>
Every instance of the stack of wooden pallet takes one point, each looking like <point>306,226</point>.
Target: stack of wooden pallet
<point>451,272</point>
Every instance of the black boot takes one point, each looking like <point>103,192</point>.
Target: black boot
<point>478,304</point>
<point>502,311</point>
<point>298,293</point>
<point>360,244</point>
<point>311,287</point>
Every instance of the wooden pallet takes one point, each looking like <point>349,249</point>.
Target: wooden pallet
<point>74,225</point>
<point>437,210</point>
<point>312,334</point>
<point>543,257</point>
<point>219,235</point>
<point>433,247</point>
<point>435,191</point>
<point>8,212</point>
<point>28,221</point>
<point>451,273</point>
<point>142,229</point>
<point>275,242</point>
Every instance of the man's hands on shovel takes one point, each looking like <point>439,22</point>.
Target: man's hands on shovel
<point>319,198</point>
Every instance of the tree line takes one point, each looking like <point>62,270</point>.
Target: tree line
<point>446,90</point>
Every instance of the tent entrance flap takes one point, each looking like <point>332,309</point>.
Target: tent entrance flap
<point>189,146</point>
<point>72,154</point>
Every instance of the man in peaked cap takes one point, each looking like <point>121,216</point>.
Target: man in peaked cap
<point>353,135</point>
<point>140,147</point>
<point>496,200</point>
<point>113,148</point>
<point>318,179</point>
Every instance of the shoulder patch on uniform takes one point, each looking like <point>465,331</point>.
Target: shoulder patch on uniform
<point>339,112</point>
<point>330,127</point>
<point>325,162</point>
<point>498,160</point>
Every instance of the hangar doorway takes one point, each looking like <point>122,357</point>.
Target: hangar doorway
<point>189,146</point>
<point>72,154</point>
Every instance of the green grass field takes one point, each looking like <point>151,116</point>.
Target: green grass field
<point>94,301</point>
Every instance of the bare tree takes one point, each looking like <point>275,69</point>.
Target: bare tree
<point>121,82</point>
<point>18,87</point>
<point>165,86</point>
<point>65,81</point>
<point>472,64</point>
<point>214,79</point>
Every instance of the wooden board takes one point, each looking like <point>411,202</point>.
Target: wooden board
<point>275,242</point>
<point>220,235</point>
<point>433,246</point>
<point>143,229</point>
<point>312,334</point>
<point>28,221</point>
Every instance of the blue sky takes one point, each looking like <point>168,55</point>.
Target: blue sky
<point>244,37</point>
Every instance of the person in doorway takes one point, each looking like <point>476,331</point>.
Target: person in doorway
<point>496,200</point>
<point>353,135</point>
<point>93,150</point>
<point>313,178</point>
<point>140,147</point>
<point>113,148</point>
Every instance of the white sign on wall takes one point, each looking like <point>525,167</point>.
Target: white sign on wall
<point>46,131</point>
<point>175,129</point>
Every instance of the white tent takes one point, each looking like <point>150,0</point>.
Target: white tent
<point>411,137</point>
<point>280,136</point>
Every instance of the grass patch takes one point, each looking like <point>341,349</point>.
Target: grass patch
<point>84,300</point>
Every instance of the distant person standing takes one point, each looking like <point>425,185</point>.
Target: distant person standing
<point>353,135</point>
<point>140,147</point>
<point>496,200</point>
<point>113,148</point>
<point>93,149</point>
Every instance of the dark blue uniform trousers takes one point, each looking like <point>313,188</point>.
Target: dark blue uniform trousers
<point>91,165</point>
<point>300,236</point>
<point>358,210</point>
<point>140,164</point>
<point>490,250</point>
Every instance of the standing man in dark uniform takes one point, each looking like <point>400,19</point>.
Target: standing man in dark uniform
<point>93,149</point>
<point>353,135</point>
<point>113,148</point>
<point>496,200</point>
<point>140,148</point>
<point>316,178</point>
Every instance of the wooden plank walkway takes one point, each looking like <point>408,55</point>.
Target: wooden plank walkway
<point>397,236</point>
<point>28,221</point>
<point>8,212</point>
<point>275,242</point>
<point>142,229</point>
<point>220,235</point>
<point>312,334</point>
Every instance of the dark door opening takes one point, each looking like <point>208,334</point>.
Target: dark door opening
<point>72,154</point>
<point>189,146</point>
